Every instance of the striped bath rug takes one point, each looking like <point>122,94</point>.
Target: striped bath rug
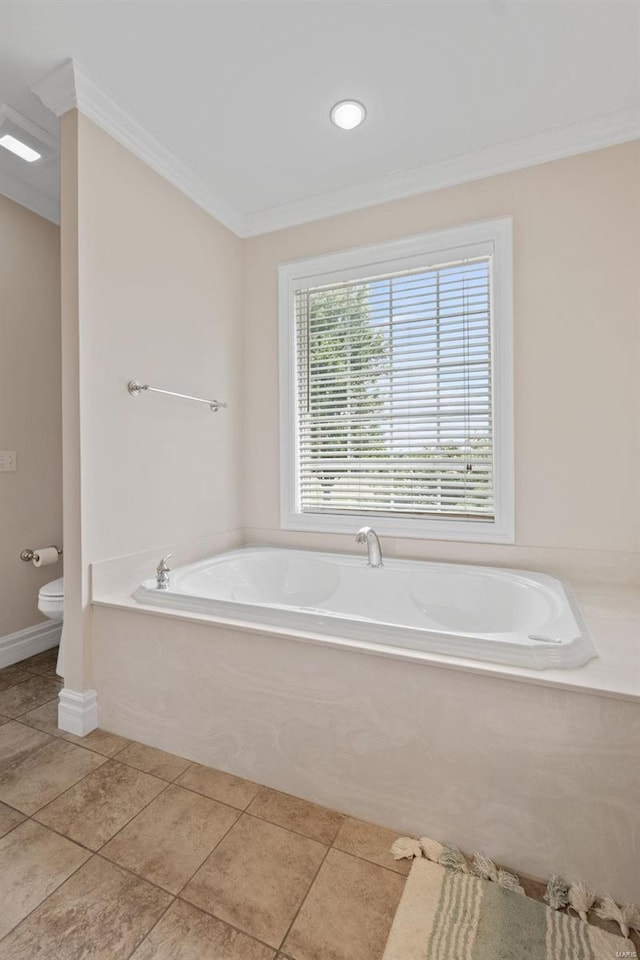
<point>446,915</point>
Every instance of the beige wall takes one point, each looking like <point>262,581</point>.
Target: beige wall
<point>576,256</point>
<point>30,413</point>
<point>158,291</point>
<point>159,302</point>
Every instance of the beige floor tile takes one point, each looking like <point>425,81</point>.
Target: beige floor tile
<point>370,842</point>
<point>348,912</point>
<point>101,913</point>
<point>27,695</point>
<point>33,780</point>
<point>219,785</point>
<point>100,741</point>
<point>17,741</point>
<point>99,806</point>
<point>44,718</point>
<point>256,878</point>
<point>42,663</point>
<point>9,818</point>
<point>185,933</point>
<point>157,762</point>
<point>169,839</point>
<point>306,818</point>
<point>10,676</point>
<point>34,862</point>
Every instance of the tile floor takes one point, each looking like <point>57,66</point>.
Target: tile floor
<point>110,849</point>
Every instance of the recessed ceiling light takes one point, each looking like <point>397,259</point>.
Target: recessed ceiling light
<point>19,148</point>
<point>23,137</point>
<point>348,114</point>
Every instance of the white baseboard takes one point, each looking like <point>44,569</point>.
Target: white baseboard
<point>77,712</point>
<point>26,643</point>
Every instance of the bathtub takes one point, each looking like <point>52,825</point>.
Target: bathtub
<point>481,613</point>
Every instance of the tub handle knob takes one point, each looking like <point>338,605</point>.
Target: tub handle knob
<point>162,573</point>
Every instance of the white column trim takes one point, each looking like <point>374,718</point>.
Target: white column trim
<point>77,711</point>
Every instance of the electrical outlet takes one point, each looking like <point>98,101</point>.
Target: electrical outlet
<point>7,461</point>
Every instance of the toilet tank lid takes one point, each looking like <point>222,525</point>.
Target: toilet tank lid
<point>53,589</point>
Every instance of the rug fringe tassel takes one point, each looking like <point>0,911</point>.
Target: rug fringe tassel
<point>581,899</point>
<point>431,849</point>
<point>453,858</point>
<point>510,882</point>
<point>486,869</point>
<point>626,917</point>
<point>558,895</point>
<point>448,855</point>
<point>557,892</point>
<point>578,898</point>
<point>406,848</point>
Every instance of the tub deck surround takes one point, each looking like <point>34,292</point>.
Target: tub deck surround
<point>537,776</point>
<point>611,614</point>
<point>123,573</point>
<point>501,616</point>
<point>126,831</point>
<point>534,766</point>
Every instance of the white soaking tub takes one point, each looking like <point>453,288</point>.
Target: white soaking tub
<point>483,613</point>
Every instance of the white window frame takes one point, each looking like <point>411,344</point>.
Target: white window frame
<point>489,237</point>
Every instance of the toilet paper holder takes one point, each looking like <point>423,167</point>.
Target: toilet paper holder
<point>28,554</point>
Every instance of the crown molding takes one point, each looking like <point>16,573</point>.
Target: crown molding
<point>569,140</point>
<point>29,197</point>
<point>57,89</point>
<point>70,86</point>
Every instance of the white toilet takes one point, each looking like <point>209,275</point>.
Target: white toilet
<point>51,603</point>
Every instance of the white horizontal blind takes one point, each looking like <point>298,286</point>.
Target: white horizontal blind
<point>393,397</point>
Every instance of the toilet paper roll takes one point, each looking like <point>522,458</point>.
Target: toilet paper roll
<point>45,556</point>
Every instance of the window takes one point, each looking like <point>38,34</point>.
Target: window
<point>396,392</point>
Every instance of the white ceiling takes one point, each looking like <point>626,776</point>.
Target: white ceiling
<point>240,92</point>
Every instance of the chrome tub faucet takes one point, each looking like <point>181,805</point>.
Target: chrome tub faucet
<point>162,573</point>
<point>374,550</point>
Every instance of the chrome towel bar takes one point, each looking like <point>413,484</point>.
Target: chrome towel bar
<point>135,388</point>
